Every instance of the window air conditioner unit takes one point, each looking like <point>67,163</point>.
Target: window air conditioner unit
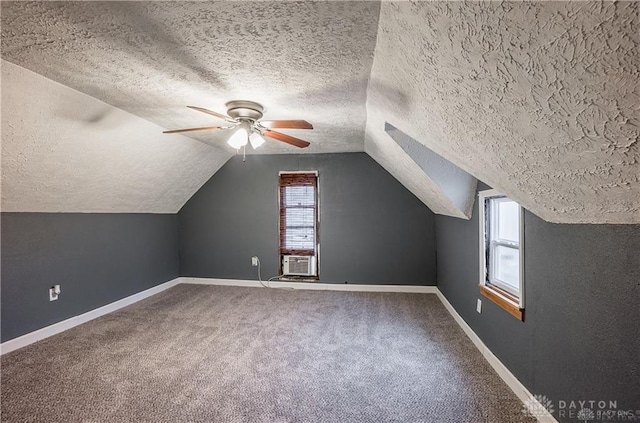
<point>299,266</point>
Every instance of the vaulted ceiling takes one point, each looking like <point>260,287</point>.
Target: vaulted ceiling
<point>539,100</point>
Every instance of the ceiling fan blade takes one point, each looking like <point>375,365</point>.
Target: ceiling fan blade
<point>203,128</point>
<point>291,124</point>
<point>285,138</point>
<point>212,113</point>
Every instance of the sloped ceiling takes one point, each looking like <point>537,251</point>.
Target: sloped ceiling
<point>64,151</point>
<point>540,100</point>
<point>454,191</point>
<point>302,60</point>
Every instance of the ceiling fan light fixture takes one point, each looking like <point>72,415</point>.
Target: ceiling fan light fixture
<point>256,140</point>
<point>245,116</point>
<point>239,139</point>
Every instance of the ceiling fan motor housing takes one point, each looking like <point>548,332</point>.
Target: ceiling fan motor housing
<point>244,110</point>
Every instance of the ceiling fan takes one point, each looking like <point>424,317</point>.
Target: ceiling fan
<point>245,116</point>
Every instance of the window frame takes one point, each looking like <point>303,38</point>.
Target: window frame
<point>490,286</point>
<point>282,251</point>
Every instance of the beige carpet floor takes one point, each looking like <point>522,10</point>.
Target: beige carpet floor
<point>199,353</point>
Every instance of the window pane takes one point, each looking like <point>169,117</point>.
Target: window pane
<point>300,239</point>
<point>300,217</point>
<point>506,261</point>
<point>299,196</point>
<point>508,220</point>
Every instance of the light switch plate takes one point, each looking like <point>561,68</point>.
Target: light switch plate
<point>479,306</point>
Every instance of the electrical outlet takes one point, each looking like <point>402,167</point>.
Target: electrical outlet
<point>54,291</point>
<point>479,306</point>
<point>254,260</point>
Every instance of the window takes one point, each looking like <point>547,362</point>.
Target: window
<point>501,251</point>
<point>299,216</point>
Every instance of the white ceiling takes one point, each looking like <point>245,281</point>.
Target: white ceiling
<point>65,151</point>
<point>302,60</point>
<point>540,100</point>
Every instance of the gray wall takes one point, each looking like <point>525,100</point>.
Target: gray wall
<point>581,336</point>
<point>97,259</point>
<point>372,230</point>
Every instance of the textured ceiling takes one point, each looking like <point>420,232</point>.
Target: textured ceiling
<point>539,100</point>
<point>303,60</point>
<point>64,151</point>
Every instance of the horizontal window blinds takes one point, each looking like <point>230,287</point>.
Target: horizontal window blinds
<point>298,213</point>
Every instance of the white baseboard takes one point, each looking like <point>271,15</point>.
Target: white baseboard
<point>314,285</point>
<point>509,378</point>
<point>30,338</point>
<point>37,335</point>
<point>518,388</point>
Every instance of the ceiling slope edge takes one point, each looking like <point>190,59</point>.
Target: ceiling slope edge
<point>388,154</point>
<point>536,112</point>
<point>455,183</point>
<point>64,151</point>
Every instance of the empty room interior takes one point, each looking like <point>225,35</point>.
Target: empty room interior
<point>320,211</point>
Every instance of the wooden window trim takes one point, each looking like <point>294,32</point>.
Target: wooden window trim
<point>513,304</point>
<point>297,179</point>
<point>503,299</point>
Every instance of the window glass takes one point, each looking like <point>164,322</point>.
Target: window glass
<point>508,220</point>
<point>299,196</point>
<point>300,239</point>
<point>506,266</point>
<point>501,251</point>
<point>298,213</point>
<point>300,217</point>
